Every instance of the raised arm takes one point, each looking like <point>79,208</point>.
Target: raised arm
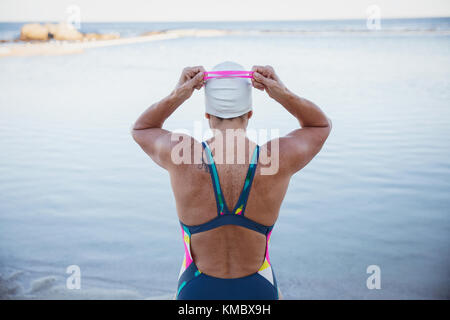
<point>301,145</point>
<point>147,130</point>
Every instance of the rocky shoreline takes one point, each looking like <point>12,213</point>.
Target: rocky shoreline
<point>61,32</point>
<point>59,39</point>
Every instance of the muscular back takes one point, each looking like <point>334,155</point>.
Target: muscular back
<point>228,251</point>
<point>231,251</point>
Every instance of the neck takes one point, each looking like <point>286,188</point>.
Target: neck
<point>231,129</point>
<point>233,125</point>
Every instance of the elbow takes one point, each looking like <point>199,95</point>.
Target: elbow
<point>326,130</point>
<point>134,135</point>
<point>328,127</point>
<point>133,129</point>
<point>137,126</point>
<point>134,132</point>
<point>134,126</point>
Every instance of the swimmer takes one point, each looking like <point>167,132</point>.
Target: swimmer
<point>227,209</point>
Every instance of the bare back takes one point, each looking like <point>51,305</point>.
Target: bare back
<point>228,251</point>
<point>219,242</point>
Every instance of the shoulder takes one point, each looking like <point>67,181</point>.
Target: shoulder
<point>288,154</point>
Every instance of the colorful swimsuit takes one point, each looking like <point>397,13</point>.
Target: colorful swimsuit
<point>193,284</point>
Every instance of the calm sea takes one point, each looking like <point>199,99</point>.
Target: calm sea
<point>76,190</point>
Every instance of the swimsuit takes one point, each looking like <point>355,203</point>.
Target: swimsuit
<point>195,285</point>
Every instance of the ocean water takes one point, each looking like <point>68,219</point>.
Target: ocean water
<point>76,190</point>
<point>11,30</point>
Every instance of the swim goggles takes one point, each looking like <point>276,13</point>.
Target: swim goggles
<point>227,74</point>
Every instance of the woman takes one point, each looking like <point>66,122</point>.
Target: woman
<point>227,209</point>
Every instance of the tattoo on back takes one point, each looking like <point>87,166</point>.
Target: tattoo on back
<point>203,165</point>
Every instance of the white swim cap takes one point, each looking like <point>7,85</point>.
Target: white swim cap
<point>228,97</point>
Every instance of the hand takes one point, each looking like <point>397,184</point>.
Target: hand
<point>265,78</point>
<point>191,78</point>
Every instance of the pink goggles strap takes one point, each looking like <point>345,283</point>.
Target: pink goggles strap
<point>227,74</point>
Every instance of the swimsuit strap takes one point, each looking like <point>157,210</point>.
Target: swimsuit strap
<point>222,207</point>
<point>242,201</point>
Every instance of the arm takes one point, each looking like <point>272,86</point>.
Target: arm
<point>147,130</point>
<point>301,144</point>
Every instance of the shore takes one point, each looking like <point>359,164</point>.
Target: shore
<point>55,47</point>
<point>58,47</point>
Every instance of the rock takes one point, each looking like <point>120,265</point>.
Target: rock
<point>109,36</point>
<point>33,31</point>
<point>90,36</point>
<point>61,31</point>
<point>51,28</point>
<point>97,36</point>
<point>65,31</point>
<point>152,33</point>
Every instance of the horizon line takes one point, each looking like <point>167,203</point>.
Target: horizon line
<point>206,21</point>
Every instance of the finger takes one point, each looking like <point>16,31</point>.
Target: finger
<point>264,70</point>
<point>257,85</point>
<point>194,70</point>
<point>267,82</point>
<point>259,77</point>
<point>191,72</point>
<point>197,80</point>
<point>272,73</point>
<point>257,68</point>
<point>269,68</point>
<point>186,74</point>
<point>187,71</point>
<point>199,69</point>
<point>200,84</point>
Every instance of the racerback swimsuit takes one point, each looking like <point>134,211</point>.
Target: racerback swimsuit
<point>195,285</point>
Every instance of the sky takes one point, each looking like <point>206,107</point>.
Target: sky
<point>216,10</point>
